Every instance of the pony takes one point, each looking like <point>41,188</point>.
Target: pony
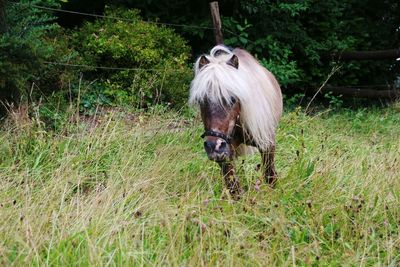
<point>240,103</point>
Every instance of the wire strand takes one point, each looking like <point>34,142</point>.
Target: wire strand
<point>114,18</point>
<point>108,68</point>
<point>122,19</point>
<point>129,20</point>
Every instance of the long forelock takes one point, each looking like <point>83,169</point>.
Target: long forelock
<point>217,81</point>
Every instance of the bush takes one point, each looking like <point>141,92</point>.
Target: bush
<point>153,60</point>
<point>22,48</point>
<point>31,40</point>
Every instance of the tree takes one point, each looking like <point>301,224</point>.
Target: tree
<point>22,46</point>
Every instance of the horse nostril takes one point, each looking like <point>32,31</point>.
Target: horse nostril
<point>222,145</point>
<point>209,145</point>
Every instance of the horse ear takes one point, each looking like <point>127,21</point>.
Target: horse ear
<point>233,61</point>
<point>203,61</point>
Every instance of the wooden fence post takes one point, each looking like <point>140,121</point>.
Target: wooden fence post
<point>216,22</point>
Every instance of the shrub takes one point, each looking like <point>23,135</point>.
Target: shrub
<point>22,48</point>
<point>153,60</point>
<point>31,40</point>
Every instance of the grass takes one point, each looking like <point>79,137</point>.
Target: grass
<point>142,192</point>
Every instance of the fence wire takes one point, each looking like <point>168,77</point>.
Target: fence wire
<point>122,19</point>
<point>107,68</point>
<point>111,17</point>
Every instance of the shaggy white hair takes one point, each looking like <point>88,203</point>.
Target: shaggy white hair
<point>256,88</point>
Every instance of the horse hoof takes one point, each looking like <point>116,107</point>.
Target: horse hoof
<point>236,193</point>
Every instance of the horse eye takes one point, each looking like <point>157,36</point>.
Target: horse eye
<point>233,100</point>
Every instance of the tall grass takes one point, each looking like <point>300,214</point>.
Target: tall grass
<point>139,190</point>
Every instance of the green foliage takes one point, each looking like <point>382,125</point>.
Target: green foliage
<point>54,77</point>
<point>150,61</point>
<point>32,39</point>
<point>22,45</point>
<point>295,39</point>
<point>241,39</point>
<point>95,95</point>
<point>279,63</point>
<point>278,60</point>
<point>155,56</point>
<point>294,101</point>
<point>334,101</point>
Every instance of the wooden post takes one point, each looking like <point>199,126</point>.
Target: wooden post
<point>216,22</point>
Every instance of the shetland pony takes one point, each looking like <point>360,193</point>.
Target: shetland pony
<point>240,103</point>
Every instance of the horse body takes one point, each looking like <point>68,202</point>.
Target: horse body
<point>240,103</point>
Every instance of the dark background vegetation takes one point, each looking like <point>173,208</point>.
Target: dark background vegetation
<point>296,40</point>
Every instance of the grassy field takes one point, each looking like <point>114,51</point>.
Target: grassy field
<point>138,190</point>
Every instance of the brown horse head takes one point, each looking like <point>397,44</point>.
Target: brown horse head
<point>219,116</point>
<point>219,121</point>
<point>228,83</point>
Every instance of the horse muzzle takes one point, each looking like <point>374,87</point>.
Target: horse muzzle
<point>217,149</point>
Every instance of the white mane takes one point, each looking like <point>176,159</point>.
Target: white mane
<point>255,87</point>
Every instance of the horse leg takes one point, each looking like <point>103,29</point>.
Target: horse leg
<point>269,166</point>
<point>231,180</point>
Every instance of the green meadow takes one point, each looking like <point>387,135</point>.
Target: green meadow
<point>137,189</point>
